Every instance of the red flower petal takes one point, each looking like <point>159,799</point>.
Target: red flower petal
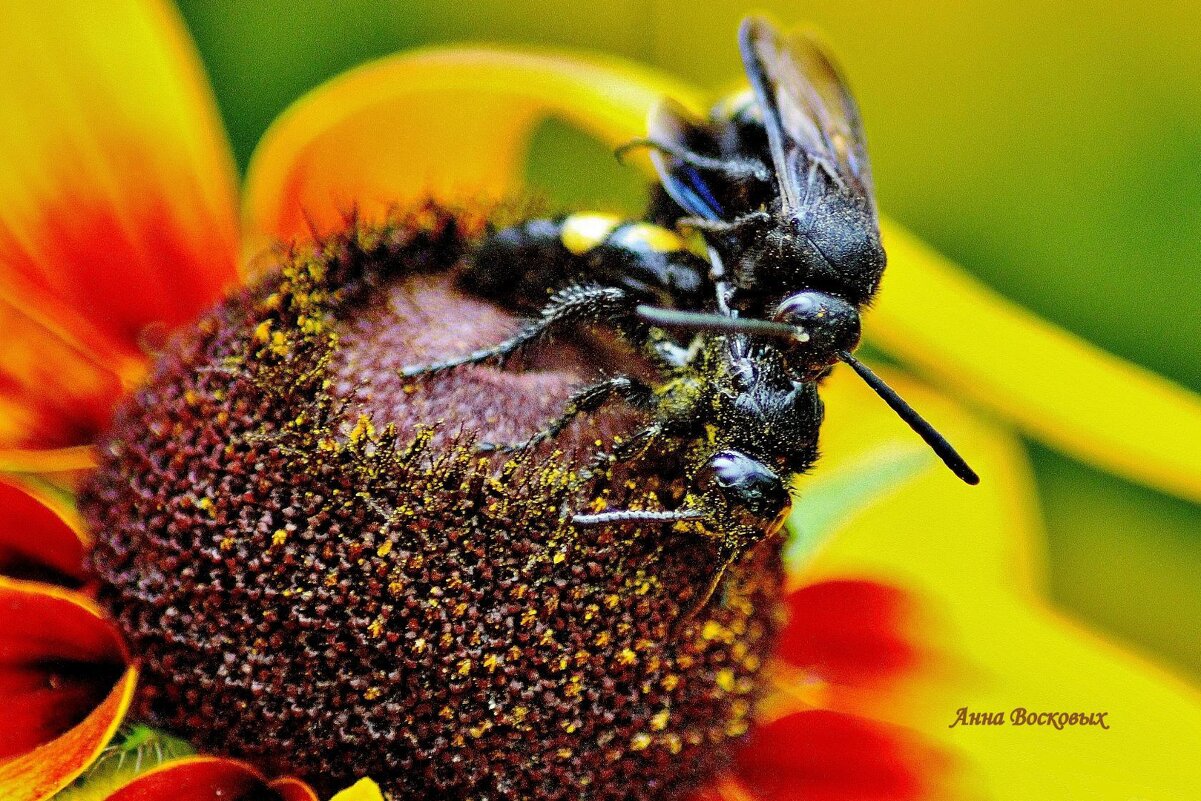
<point>64,687</point>
<point>210,779</point>
<point>35,541</point>
<point>830,756</point>
<point>850,631</point>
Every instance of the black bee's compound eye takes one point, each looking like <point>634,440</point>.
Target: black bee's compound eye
<point>746,484</point>
<point>831,323</point>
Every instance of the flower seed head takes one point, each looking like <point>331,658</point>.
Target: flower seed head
<point>320,572</point>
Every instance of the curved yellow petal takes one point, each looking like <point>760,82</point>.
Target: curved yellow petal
<point>453,124</point>
<point>970,556</point>
<point>1050,383</point>
<point>117,198</point>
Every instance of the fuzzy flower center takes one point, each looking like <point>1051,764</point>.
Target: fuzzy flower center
<point>321,572</point>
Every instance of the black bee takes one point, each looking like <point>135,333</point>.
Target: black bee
<point>741,329</point>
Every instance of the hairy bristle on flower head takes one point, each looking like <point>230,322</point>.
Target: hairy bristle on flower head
<point>320,572</point>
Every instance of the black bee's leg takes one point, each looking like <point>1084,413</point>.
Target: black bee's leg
<point>637,444</point>
<point>706,226</point>
<point>568,309</point>
<point>734,168</point>
<point>702,600</point>
<point>588,400</point>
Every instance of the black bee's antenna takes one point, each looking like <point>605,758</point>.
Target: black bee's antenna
<point>706,321</point>
<point>936,441</point>
<point>637,516</point>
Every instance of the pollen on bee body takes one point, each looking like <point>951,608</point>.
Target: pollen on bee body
<point>358,573</point>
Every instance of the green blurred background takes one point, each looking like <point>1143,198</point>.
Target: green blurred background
<point>1053,149</point>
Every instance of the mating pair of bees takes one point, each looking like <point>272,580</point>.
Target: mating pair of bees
<point>776,185</point>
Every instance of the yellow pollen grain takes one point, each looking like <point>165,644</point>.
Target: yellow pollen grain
<point>491,661</point>
<point>262,331</point>
<point>279,537</point>
<point>376,628</point>
<point>737,728</point>
<point>419,645</point>
<point>372,693</point>
<point>603,639</point>
<point>674,744</point>
<point>559,558</point>
<point>640,741</point>
<point>520,712</point>
<point>714,631</point>
<point>564,753</point>
<point>384,549</point>
<point>659,720</point>
<point>464,667</point>
<point>396,587</point>
<point>725,679</point>
<point>363,429</point>
<point>670,682</point>
<point>569,726</point>
<point>627,657</point>
<point>227,543</point>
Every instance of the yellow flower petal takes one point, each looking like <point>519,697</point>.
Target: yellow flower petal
<point>1052,384</point>
<point>449,123</point>
<point>362,790</point>
<point>970,555</point>
<point>56,388</point>
<point>117,207</point>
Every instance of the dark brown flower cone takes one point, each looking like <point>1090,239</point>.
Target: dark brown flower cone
<point>320,572</point>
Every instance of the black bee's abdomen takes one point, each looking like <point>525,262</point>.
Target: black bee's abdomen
<point>520,267</point>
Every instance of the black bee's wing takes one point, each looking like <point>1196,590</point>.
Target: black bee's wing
<point>811,119</point>
<point>671,125</point>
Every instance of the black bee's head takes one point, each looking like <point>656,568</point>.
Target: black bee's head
<point>827,327</point>
<point>744,491</point>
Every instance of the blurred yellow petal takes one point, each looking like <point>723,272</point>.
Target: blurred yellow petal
<point>117,198</point>
<point>1053,385</point>
<point>72,459</point>
<point>453,124</point>
<point>57,388</point>
<point>970,556</point>
<point>362,790</point>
